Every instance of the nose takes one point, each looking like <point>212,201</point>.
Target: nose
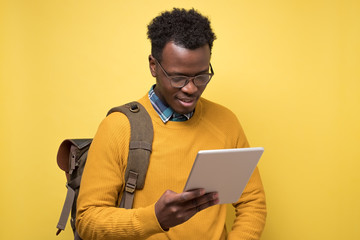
<point>190,88</point>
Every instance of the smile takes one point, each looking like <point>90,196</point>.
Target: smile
<point>187,100</point>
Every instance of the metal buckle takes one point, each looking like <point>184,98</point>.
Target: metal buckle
<point>131,182</point>
<point>130,188</point>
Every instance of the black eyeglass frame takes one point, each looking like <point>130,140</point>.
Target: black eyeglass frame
<point>187,78</point>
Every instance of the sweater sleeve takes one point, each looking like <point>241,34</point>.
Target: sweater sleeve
<point>98,216</point>
<point>250,210</point>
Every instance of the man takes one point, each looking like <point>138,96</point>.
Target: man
<point>184,123</point>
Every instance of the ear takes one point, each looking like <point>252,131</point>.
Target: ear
<point>152,65</point>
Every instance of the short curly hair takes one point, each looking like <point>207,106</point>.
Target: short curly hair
<point>186,28</point>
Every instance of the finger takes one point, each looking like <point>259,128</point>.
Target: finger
<point>195,205</point>
<point>192,204</point>
<point>198,204</point>
<point>211,200</point>
<point>209,197</point>
<point>192,194</point>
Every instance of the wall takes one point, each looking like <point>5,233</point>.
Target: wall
<point>288,69</point>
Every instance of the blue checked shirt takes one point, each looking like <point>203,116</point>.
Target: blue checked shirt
<point>166,113</point>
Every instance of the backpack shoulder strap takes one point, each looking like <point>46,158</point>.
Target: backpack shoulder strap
<point>139,149</point>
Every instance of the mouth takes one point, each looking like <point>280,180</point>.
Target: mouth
<point>187,102</point>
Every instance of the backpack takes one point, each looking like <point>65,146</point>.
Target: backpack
<point>72,155</point>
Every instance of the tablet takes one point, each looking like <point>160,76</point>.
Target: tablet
<point>225,171</point>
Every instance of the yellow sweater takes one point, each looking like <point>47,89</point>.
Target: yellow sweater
<point>174,149</point>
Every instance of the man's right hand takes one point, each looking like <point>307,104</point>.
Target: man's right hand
<point>175,208</point>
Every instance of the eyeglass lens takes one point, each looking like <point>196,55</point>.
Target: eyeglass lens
<point>181,81</point>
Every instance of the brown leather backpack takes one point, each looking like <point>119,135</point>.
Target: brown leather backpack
<point>72,155</point>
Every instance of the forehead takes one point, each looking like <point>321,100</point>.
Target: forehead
<point>176,58</point>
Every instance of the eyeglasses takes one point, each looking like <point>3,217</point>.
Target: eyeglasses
<point>179,81</point>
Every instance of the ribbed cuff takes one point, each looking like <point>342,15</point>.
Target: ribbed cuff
<point>149,223</point>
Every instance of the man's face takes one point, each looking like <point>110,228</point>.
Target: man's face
<point>177,60</point>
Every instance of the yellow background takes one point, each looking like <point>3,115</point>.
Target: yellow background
<point>288,69</point>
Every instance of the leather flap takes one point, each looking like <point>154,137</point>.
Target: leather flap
<point>64,151</point>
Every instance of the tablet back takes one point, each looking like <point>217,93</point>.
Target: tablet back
<point>225,171</point>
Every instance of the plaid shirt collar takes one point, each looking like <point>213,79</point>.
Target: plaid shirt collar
<point>166,113</point>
